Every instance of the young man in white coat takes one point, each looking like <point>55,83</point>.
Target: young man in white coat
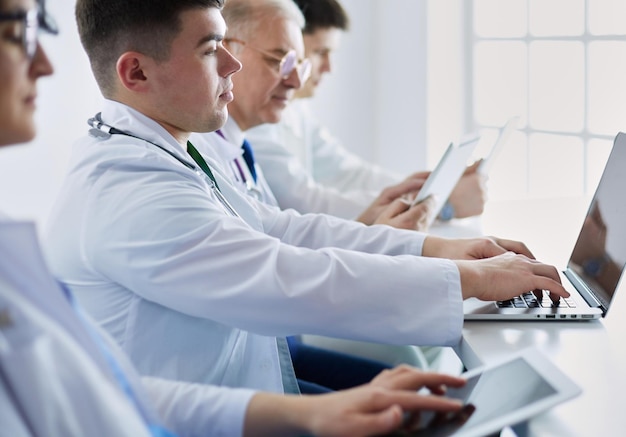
<point>200,283</point>
<point>61,376</point>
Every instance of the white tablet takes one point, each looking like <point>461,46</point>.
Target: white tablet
<point>503,136</point>
<point>447,173</point>
<point>503,394</point>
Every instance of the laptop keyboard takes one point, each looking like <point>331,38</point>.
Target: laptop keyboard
<point>529,300</point>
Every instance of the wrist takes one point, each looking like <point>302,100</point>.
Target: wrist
<point>433,247</point>
<point>469,277</point>
<point>447,213</point>
<point>305,414</point>
<point>271,414</point>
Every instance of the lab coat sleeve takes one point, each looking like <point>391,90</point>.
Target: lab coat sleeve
<point>158,234</point>
<point>335,166</point>
<point>196,410</point>
<point>317,231</point>
<point>299,148</point>
<point>294,187</point>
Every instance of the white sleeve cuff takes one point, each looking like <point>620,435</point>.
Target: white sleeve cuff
<point>191,410</point>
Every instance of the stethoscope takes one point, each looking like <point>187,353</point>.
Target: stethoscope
<point>251,186</point>
<point>100,129</point>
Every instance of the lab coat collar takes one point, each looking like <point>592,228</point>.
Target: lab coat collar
<point>127,119</point>
<point>221,147</point>
<point>233,133</point>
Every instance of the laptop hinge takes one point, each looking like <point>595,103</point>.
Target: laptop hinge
<point>584,290</point>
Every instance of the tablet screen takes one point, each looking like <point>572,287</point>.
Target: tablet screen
<point>493,394</point>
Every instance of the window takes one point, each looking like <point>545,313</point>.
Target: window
<point>561,66</point>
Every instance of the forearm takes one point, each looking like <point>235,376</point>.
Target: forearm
<point>271,415</point>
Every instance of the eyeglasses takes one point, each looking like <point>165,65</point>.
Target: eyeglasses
<point>286,64</point>
<point>32,21</point>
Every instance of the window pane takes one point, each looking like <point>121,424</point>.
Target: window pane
<point>607,87</point>
<point>606,17</point>
<point>556,166</point>
<point>500,81</point>
<point>497,18</point>
<point>557,17</point>
<point>557,86</point>
<point>508,176</point>
<point>597,154</point>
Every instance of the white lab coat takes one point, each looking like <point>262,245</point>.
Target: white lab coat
<point>221,148</point>
<point>309,170</point>
<point>193,293</point>
<point>54,379</point>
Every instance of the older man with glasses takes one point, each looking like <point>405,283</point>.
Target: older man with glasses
<point>266,37</point>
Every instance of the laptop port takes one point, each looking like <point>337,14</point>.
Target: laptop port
<point>550,316</point>
<point>587,316</point>
<point>573,316</point>
<point>563,316</point>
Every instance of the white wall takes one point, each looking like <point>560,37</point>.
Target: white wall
<point>375,101</point>
<point>445,109</point>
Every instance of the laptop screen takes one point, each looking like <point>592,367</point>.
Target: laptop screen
<point>600,251</point>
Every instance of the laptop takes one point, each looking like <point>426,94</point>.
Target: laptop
<point>500,394</point>
<point>595,265</point>
<point>447,173</point>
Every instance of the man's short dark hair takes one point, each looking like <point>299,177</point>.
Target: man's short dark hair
<point>108,28</point>
<point>323,14</point>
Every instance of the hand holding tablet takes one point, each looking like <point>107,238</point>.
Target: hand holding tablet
<point>450,169</point>
<point>501,394</point>
<point>445,176</point>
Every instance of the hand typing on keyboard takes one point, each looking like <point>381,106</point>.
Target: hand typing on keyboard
<point>530,300</point>
<point>494,268</point>
<point>509,276</point>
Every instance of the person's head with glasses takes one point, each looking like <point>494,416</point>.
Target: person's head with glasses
<point>22,63</point>
<point>266,37</point>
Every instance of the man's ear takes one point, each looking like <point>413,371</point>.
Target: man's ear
<point>130,71</point>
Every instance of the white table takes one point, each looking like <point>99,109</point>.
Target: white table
<point>592,353</point>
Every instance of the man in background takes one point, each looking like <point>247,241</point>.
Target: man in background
<point>309,170</point>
